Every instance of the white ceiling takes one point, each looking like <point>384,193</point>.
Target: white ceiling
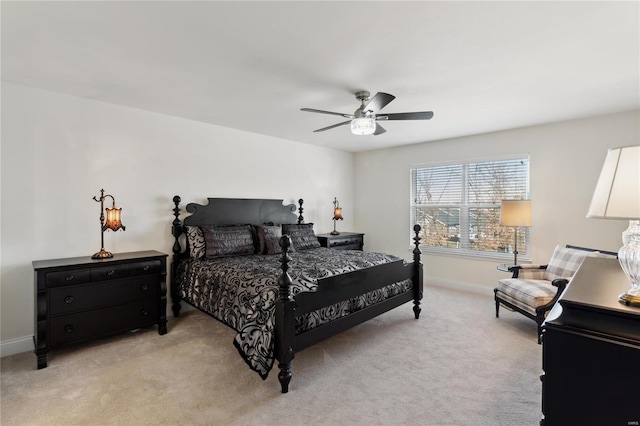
<point>479,66</point>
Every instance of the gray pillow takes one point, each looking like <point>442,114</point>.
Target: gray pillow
<point>268,233</point>
<point>228,240</point>
<point>302,235</point>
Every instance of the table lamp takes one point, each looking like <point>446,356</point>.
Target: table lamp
<point>617,196</point>
<point>112,222</point>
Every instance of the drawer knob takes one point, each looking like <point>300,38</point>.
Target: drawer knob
<point>145,268</point>
<point>111,272</point>
<point>144,312</point>
<point>144,287</point>
<point>69,278</point>
<point>68,299</point>
<point>68,328</point>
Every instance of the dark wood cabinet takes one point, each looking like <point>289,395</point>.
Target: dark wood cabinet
<point>342,241</point>
<point>591,350</point>
<point>81,298</point>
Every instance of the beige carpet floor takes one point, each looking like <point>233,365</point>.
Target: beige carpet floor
<point>456,365</point>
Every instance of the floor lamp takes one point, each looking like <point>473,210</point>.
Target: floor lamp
<point>515,213</point>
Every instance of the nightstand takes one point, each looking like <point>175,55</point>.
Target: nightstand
<point>81,298</point>
<point>343,241</point>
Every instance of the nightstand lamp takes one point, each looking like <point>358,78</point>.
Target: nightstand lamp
<point>515,213</point>
<point>112,222</point>
<point>337,215</point>
<point>617,196</point>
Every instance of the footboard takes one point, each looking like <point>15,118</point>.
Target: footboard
<point>347,286</point>
<point>333,290</point>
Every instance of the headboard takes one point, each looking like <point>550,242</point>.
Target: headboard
<point>232,211</point>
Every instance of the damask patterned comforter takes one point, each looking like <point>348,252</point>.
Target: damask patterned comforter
<point>241,292</point>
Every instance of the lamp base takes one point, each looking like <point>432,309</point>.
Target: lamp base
<point>629,258</point>
<point>629,299</point>
<point>334,232</point>
<point>102,254</point>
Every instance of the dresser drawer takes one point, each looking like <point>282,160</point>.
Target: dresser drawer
<point>346,246</point>
<point>337,242</point>
<point>68,277</point>
<point>110,272</point>
<point>76,298</point>
<point>342,242</point>
<point>74,327</point>
<point>144,268</point>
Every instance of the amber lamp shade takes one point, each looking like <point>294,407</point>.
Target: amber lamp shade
<point>113,221</point>
<point>337,215</point>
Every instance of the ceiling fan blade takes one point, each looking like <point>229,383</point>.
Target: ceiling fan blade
<point>327,112</point>
<point>426,115</point>
<point>379,130</point>
<point>379,101</point>
<point>333,126</point>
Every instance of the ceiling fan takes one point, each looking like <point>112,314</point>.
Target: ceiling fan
<point>363,120</point>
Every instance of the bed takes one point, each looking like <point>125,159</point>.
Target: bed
<point>256,266</point>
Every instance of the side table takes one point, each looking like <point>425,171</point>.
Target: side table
<point>503,267</point>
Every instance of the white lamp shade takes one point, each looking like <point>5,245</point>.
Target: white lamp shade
<point>515,213</point>
<point>617,193</point>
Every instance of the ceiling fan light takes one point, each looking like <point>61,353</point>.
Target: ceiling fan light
<point>363,125</point>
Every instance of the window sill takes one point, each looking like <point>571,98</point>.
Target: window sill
<point>481,256</point>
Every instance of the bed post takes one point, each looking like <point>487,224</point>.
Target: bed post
<point>285,315</point>
<point>417,272</point>
<point>300,217</point>
<point>176,232</point>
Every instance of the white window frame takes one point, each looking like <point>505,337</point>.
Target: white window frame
<point>463,249</point>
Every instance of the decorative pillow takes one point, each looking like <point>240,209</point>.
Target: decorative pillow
<point>302,235</point>
<point>195,241</point>
<point>273,245</point>
<point>228,240</point>
<point>268,232</point>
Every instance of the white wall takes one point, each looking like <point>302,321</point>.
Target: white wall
<point>565,163</point>
<point>58,151</point>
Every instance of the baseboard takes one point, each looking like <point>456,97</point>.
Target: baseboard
<point>16,346</point>
<point>459,285</point>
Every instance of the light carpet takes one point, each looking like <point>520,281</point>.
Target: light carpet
<point>456,365</point>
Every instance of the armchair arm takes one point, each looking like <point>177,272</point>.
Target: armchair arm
<point>561,283</point>
<point>531,271</point>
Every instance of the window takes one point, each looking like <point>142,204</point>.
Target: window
<point>458,206</point>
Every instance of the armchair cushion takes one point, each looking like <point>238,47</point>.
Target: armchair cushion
<point>527,294</point>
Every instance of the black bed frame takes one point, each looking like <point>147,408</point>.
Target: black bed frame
<point>229,211</point>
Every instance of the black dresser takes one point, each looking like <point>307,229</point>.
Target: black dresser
<point>81,298</point>
<point>591,351</point>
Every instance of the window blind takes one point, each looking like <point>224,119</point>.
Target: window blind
<point>458,205</point>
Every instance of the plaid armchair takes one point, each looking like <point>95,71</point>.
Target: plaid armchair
<point>534,289</point>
